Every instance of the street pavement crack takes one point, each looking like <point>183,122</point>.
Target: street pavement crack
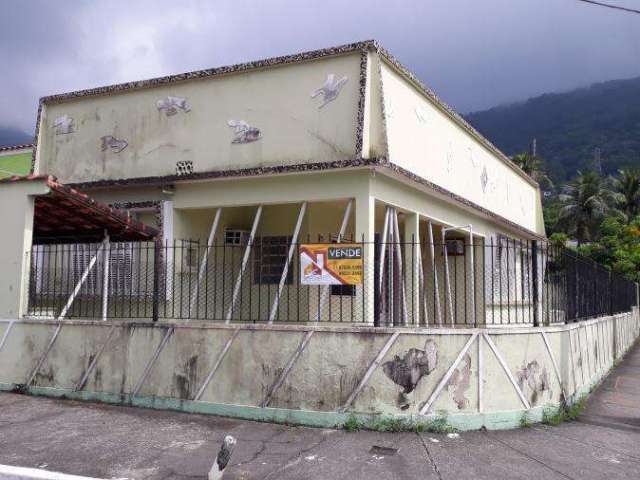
<point>531,457</point>
<point>298,458</point>
<point>429,457</point>
<point>589,444</point>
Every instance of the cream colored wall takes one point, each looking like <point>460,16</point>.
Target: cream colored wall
<point>16,212</point>
<point>276,100</point>
<point>294,188</point>
<point>401,195</point>
<point>426,141</point>
<point>519,372</point>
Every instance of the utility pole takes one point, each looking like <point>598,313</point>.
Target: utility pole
<point>534,147</point>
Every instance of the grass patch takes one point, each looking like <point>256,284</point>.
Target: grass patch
<point>395,425</point>
<point>565,413</point>
<point>353,424</point>
<point>525,421</point>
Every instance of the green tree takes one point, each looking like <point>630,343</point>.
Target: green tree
<point>585,201</point>
<point>534,167</point>
<point>618,246</point>
<point>627,187</point>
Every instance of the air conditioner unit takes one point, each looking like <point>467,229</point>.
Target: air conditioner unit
<point>455,248</point>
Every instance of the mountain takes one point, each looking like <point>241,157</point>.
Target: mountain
<point>12,136</point>
<point>570,126</point>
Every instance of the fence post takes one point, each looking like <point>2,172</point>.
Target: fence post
<point>534,284</point>
<point>105,277</point>
<point>610,294</point>
<point>157,245</point>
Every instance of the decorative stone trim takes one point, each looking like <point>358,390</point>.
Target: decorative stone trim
<point>361,102</point>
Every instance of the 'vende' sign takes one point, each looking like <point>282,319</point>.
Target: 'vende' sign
<point>331,264</point>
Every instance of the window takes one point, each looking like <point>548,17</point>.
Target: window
<point>512,269</point>
<point>82,255</point>
<point>129,269</point>
<point>121,269</point>
<point>235,237</point>
<point>270,256</point>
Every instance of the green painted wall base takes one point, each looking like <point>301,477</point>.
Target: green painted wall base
<point>462,422</point>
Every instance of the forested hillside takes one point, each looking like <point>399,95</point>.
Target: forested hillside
<point>570,126</point>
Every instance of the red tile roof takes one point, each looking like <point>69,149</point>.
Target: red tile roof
<point>65,215</point>
<point>23,146</point>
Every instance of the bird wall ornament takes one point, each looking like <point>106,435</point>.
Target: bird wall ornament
<point>330,90</point>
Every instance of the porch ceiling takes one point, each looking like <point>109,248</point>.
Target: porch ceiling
<point>65,215</point>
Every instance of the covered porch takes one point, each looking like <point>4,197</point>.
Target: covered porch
<point>231,252</point>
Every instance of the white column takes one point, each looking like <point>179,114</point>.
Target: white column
<point>413,256</point>
<point>365,230</point>
<point>204,261</point>
<point>245,260</point>
<point>105,277</point>
<point>285,270</point>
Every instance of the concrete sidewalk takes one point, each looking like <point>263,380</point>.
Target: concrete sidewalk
<point>121,442</point>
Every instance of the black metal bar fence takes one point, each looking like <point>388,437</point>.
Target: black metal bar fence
<point>409,283</point>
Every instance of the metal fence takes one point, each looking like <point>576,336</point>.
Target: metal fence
<point>509,282</point>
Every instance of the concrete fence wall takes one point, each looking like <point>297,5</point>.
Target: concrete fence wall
<point>316,375</point>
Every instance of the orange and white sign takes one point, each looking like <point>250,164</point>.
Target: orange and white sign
<point>331,264</point>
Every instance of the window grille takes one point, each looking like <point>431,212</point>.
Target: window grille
<point>269,260</point>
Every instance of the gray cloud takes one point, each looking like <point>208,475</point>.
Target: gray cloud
<point>474,54</point>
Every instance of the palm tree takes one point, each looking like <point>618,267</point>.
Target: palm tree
<point>627,187</point>
<point>533,166</point>
<point>585,201</point>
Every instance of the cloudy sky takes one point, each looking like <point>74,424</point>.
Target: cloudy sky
<point>474,53</point>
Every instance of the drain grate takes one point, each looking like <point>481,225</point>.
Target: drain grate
<point>378,450</point>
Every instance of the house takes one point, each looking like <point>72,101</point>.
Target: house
<point>340,143</point>
<point>240,241</point>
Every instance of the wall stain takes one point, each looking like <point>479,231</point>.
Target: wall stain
<point>460,381</point>
<point>535,380</point>
<point>185,380</point>
<point>406,371</point>
<point>44,379</point>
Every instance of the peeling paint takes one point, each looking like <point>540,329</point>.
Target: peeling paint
<point>534,379</point>
<point>460,382</point>
<point>406,371</point>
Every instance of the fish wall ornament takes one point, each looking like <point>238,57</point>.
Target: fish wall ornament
<point>484,179</point>
<point>64,125</point>
<point>330,90</point>
<point>170,105</point>
<point>112,143</point>
<point>244,133</point>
